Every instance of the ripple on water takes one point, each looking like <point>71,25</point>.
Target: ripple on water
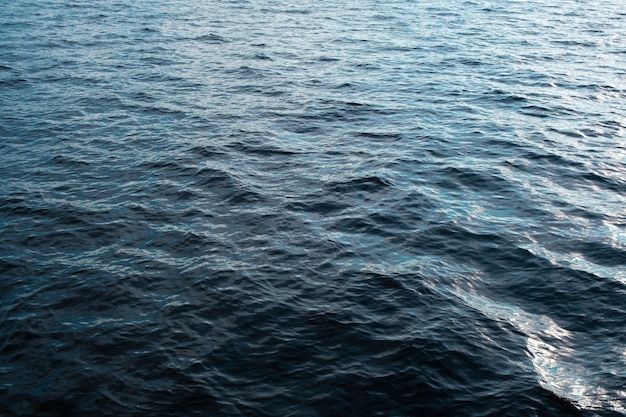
<point>248,208</point>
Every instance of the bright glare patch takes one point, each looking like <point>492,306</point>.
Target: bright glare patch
<point>561,366</point>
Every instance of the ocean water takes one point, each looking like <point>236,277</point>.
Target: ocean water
<point>343,208</point>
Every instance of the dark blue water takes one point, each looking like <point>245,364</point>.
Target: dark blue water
<point>348,208</point>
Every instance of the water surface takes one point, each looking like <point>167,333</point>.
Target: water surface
<point>261,208</point>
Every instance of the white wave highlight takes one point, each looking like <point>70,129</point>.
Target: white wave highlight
<point>569,370</point>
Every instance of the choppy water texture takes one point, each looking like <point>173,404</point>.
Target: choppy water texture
<point>343,208</point>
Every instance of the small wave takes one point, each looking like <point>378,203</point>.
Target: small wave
<point>263,57</point>
<point>505,97</point>
<point>382,136</point>
<point>264,150</point>
<point>561,371</point>
<point>320,207</point>
<point>211,38</point>
<point>606,269</point>
<point>11,77</point>
<point>563,365</point>
<point>369,184</point>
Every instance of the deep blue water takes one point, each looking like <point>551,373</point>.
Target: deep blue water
<point>348,208</point>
